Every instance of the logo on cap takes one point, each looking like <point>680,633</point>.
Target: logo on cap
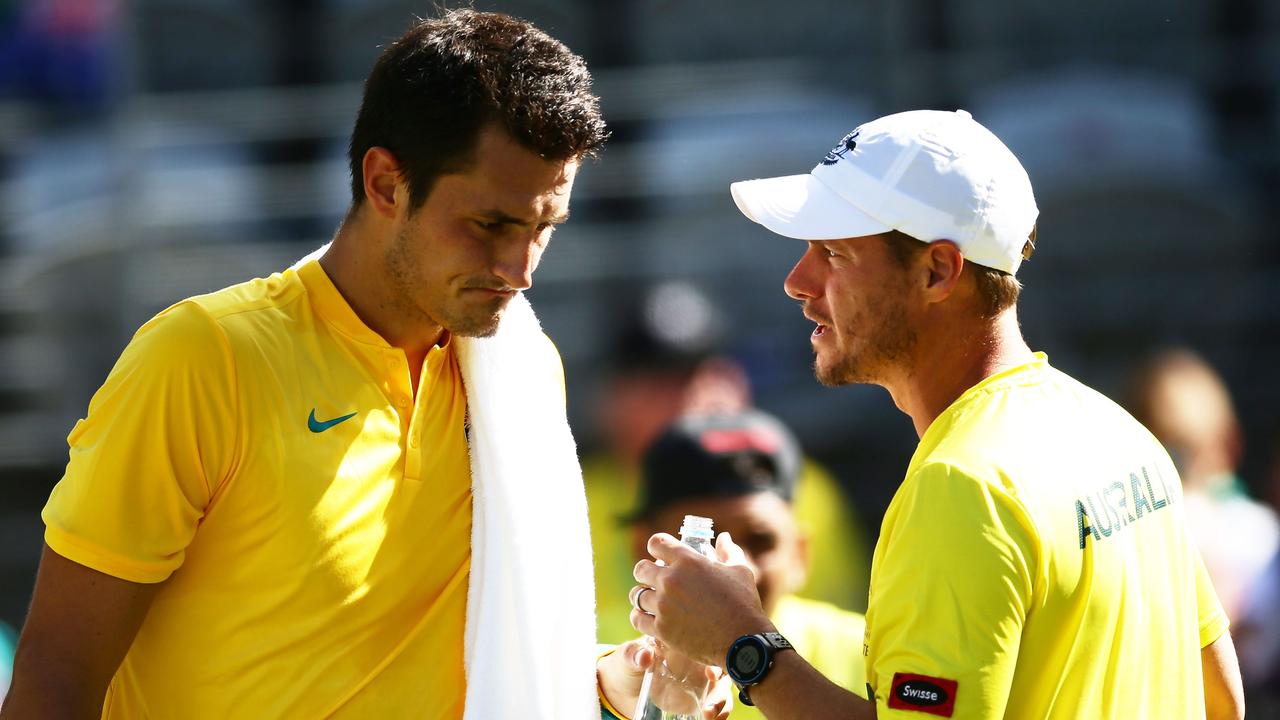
<point>846,144</point>
<point>718,441</point>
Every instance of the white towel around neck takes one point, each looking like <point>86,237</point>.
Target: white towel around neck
<point>531,621</point>
<point>530,635</point>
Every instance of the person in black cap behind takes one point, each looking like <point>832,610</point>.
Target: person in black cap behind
<point>740,469</point>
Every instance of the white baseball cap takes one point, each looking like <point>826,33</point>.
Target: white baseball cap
<point>931,174</point>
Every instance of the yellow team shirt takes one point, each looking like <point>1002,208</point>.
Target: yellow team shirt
<point>260,451</point>
<point>1036,563</point>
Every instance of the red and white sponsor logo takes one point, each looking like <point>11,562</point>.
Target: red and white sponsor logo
<point>923,693</point>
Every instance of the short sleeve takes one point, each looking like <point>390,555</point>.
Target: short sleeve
<point>147,458</point>
<point>949,597</point>
<point>1212,616</point>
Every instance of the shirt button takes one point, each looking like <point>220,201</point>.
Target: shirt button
<point>413,441</point>
<point>402,401</point>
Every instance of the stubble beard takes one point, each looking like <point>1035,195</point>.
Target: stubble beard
<point>888,341</point>
<point>475,327</point>
<point>435,310</point>
<point>464,321</point>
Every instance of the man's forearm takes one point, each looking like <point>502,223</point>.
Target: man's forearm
<point>793,690</point>
<point>78,631</point>
<point>31,696</point>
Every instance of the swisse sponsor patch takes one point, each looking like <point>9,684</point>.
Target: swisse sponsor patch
<point>922,693</point>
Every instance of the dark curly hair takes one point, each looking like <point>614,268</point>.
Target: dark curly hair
<point>433,90</point>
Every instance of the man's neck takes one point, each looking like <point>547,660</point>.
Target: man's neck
<point>949,362</point>
<point>354,264</point>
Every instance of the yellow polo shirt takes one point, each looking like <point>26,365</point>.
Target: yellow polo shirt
<point>261,452</point>
<point>1036,563</point>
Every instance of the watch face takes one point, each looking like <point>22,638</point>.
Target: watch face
<point>748,660</point>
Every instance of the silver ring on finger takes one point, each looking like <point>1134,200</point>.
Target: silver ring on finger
<point>635,601</point>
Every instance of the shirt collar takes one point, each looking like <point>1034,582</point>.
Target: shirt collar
<point>329,303</point>
<point>331,306</point>
<point>1033,368</point>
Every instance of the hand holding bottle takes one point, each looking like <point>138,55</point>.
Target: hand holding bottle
<point>621,672</point>
<point>696,605</point>
<point>676,686</point>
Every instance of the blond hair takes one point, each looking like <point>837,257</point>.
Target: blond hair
<point>997,289</point>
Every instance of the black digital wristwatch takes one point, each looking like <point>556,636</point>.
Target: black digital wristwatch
<point>749,659</point>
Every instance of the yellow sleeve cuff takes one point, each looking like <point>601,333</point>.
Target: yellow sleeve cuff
<point>1213,628</point>
<point>609,709</point>
<point>106,562</point>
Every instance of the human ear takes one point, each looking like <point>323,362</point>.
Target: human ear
<point>943,263</point>
<point>381,180</point>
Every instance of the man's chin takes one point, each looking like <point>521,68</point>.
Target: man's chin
<point>836,374</point>
<point>478,327</point>
<point>828,377</point>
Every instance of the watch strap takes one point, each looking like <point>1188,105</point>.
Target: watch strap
<point>775,642</point>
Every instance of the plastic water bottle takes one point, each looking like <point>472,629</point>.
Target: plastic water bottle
<point>675,687</point>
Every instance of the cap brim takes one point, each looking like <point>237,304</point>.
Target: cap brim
<point>801,207</point>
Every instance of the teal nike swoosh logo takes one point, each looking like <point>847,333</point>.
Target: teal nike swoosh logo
<point>318,426</point>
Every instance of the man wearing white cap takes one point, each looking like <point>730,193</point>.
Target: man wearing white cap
<point>1035,561</point>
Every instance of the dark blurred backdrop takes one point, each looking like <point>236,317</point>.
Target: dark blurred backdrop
<point>155,149</point>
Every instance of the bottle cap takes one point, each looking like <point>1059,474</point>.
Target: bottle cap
<point>696,526</point>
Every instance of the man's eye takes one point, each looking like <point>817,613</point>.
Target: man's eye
<point>760,543</point>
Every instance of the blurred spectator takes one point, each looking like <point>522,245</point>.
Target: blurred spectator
<point>1271,487</point>
<point>665,358</point>
<point>58,51</point>
<point>1186,405</point>
<point>1258,642</point>
<point>1258,630</point>
<point>740,469</point>
<point>667,361</point>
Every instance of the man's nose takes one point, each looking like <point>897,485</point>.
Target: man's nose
<point>515,266</point>
<point>800,283</point>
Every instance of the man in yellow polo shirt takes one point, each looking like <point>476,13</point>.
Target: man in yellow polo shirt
<point>1035,562</point>
<point>268,510</point>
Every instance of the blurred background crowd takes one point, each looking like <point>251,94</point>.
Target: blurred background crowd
<point>154,149</point>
